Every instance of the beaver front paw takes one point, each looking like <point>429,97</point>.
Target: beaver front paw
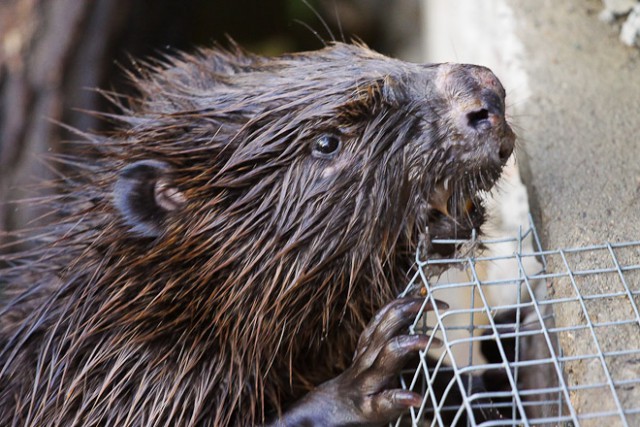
<point>365,394</point>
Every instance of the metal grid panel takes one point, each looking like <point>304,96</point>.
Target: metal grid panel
<point>505,360</point>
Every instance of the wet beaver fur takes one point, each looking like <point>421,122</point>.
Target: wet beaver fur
<point>222,255</point>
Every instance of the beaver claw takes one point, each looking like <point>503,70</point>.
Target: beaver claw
<point>364,394</point>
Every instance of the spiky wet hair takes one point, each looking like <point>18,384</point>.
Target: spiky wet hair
<point>300,187</point>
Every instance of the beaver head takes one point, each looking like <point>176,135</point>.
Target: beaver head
<point>336,152</point>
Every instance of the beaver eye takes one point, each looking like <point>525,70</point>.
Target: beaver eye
<point>326,146</point>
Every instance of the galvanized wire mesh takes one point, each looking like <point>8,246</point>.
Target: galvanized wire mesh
<point>505,358</point>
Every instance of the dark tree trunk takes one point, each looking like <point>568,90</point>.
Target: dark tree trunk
<point>51,53</point>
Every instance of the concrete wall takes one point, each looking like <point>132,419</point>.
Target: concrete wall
<point>573,92</point>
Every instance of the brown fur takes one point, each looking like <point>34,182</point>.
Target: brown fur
<point>258,287</point>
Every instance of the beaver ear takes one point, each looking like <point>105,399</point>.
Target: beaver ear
<point>144,196</point>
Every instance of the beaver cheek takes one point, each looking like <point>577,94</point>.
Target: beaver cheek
<point>328,172</point>
<point>336,166</point>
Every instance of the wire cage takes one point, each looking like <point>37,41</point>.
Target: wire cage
<point>505,359</point>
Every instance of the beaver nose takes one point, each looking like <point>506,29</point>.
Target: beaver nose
<point>477,98</point>
<point>488,117</point>
<point>490,113</point>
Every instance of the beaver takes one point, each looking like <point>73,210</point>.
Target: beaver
<point>243,233</point>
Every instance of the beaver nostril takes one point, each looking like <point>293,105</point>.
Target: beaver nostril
<point>479,119</point>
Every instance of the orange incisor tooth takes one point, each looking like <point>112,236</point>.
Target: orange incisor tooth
<point>468,206</point>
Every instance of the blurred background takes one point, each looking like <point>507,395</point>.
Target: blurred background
<point>54,53</point>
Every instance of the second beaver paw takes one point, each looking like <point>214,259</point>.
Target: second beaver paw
<point>366,393</point>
